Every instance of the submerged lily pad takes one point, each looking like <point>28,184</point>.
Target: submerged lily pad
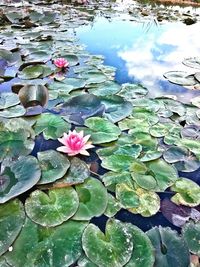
<point>52,208</point>
<point>93,199</point>
<point>112,249</point>
<point>53,166</point>
<point>52,126</point>
<point>39,246</point>
<point>12,217</point>
<point>18,177</point>
<point>170,248</point>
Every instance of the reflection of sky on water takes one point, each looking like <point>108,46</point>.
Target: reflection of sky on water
<point>144,52</point>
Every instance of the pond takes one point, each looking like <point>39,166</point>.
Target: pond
<point>99,134</point>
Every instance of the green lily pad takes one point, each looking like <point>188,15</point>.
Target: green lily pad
<point>12,217</point>
<point>52,126</point>
<point>13,112</point>
<point>105,89</point>
<point>170,248</point>
<point>151,155</point>
<point>85,262</point>
<point>191,234</point>
<point>53,165</point>
<point>131,91</point>
<point>52,208</point>
<point>102,130</point>
<point>15,143</point>
<point>93,77</point>
<point>71,58</point>
<point>143,251</point>
<point>188,193</point>
<point>116,107</point>
<point>113,206</point>
<point>3,263</point>
<point>31,72</point>
<point>138,200</point>
<point>8,100</point>
<point>41,247</point>
<point>93,199</point>
<point>111,179</point>
<point>112,249</point>
<point>191,145</point>
<point>117,163</point>
<point>18,177</point>
<point>180,78</point>
<point>175,154</point>
<point>76,174</point>
<point>75,83</point>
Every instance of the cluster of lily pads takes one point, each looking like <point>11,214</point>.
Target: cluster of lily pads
<point>49,200</point>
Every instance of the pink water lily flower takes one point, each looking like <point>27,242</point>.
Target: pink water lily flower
<point>61,63</point>
<point>75,143</point>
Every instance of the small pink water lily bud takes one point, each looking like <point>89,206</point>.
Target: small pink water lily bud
<point>75,143</point>
<point>61,63</point>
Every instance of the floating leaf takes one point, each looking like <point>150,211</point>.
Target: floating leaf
<point>192,62</point>
<point>52,208</point>
<point>34,72</point>
<point>94,77</point>
<point>78,108</point>
<point>175,154</point>
<point>180,78</point>
<point>13,112</point>
<point>113,206</point>
<point>131,91</point>
<point>11,221</point>
<point>117,163</point>
<point>116,107</point>
<point>92,199</point>
<point>112,249</point>
<point>111,179</point>
<point>53,166</point>
<point>38,246</point>
<point>8,100</point>
<point>191,234</point>
<point>170,248</point>
<point>188,193</point>
<point>105,89</point>
<point>143,251</point>
<point>18,177</point>
<point>85,262</point>
<point>76,174</point>
<point>52,126</point>
<point>102,130</point>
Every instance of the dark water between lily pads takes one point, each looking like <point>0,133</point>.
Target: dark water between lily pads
<point>143,52</point>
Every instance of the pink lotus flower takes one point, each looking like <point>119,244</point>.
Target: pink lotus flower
<point>74,143</point>
<point>61,63</point>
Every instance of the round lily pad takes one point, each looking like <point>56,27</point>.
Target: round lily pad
<point>180,78</point>
<point>105,89</point>
<point>170,248</point>
<point>113,249</point>
<point>191,234</point>
<point>12,217</point>
<point>143,251</point>
<point>19,176</point>
<point>102,130</point>
<point>8,100</point>
<point>52,126</point>
<point>40,247</point>
<point>93,199</point>
<point>52,208</point>
<point>13,112</point>
<point>193,62</point>
<point>53,166</point>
